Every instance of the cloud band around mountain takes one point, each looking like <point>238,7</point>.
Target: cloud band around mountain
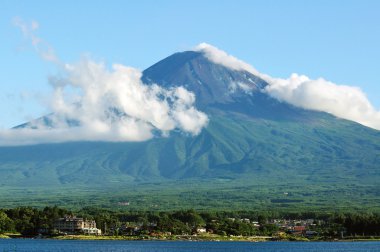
<point>343,101</point>
<point>109,106</point>
<point>92,103</point>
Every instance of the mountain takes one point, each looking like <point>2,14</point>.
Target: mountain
<point>254,147</point>
<point>211,83</point>
<point>217,87</point>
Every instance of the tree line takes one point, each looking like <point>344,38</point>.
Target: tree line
<point>30,221</point>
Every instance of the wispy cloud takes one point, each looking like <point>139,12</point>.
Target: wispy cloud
<point>340,100</point>
<point>220,57</point>
<point>29,29</point>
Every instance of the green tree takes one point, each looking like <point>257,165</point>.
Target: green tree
<point>6,224</point>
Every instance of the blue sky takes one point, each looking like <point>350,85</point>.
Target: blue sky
<point>336,40</point>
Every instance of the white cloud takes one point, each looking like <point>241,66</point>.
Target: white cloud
<point>191,121</point>
<point>44,50</point>
<point>234,86</point>
<point>109,105</point>
<point>340,100</point>
<point>222,58</point>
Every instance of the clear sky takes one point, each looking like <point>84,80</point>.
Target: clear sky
<point>336,40</point>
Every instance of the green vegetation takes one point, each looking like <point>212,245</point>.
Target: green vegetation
<point>182,223</point>
<point>221,194</point>
<point>324,165</point>
<point>324,149</point>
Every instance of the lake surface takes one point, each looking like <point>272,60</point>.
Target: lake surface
<point>29,245</point>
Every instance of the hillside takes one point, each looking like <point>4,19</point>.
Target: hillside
<point>253,146</point>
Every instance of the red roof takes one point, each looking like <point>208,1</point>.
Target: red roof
<point>299,228</point>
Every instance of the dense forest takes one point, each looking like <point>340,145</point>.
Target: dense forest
<point>30,221</point>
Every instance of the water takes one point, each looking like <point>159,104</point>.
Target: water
<point>28,245</point>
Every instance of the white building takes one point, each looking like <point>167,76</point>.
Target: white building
<point>201,230</point>
<point>91,231</point>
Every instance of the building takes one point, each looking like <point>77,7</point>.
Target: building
<point>91,231</point>
<point>297,230</point>
<point>201,230</point>
<point>74,225</point>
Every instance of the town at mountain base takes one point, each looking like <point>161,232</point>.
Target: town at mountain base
<point>59,223</point>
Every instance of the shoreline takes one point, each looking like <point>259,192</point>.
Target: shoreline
<point>194,238</point>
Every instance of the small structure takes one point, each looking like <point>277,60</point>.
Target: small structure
<point>297,230</point>
<point>201,230</point>
<point>255,224</point>
<point>91,231</point>
<point>123,203</point>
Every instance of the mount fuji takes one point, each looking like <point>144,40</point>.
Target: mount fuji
<point>254,145</point>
